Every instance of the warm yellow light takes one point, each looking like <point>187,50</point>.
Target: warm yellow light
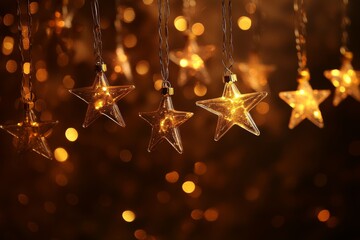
<point>142,67</point>
<point>147,2</point>
<point>26,68</point>
<point>61,154</point>
<point>211,214</point>
<point>198,29</point>
<point>129,15</point>
<point>158,84</point>
<point>188,186</point>
<point>180,23</point>
<point>128,216</point>
<point>172,177</point>
<point>184,62</point>
<point>200,90</point>
<point>8,45</point>
<point>335,72</point>
<point>244,23</point>
<point>71,134</point>
<point>323,215</point>
<point>118,69</point>
<point>99,104</point>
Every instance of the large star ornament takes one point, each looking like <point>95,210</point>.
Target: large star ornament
<point>30,134</point>
<point>345,79</point>
<point>165,122</point>
<point>233,108</point>
<point>191,60</point>
<point>305,102</point>
<point>101,99</point>
<point>255,73</point>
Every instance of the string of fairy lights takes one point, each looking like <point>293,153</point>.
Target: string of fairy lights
<point>232,108</point>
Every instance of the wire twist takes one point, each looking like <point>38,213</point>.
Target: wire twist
<point>300,33</point>
<point>345,23</point>
<point>25,46</point>
<point>97,31</point>
<point>163,41</point>
<point>228,46</point>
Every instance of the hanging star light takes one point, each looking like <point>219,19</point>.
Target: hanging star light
<point>233,108</point>
<point>101,98</point>
<point>122,64</point>
<point>191,60</point>
<point>345,79</point>
<point>165,122</point>
<point>305,102</point>
<point>192,57</point>
<point>254,73</point>
<point>30,134</point>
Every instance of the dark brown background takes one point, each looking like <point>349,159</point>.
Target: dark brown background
<point>296,172</point>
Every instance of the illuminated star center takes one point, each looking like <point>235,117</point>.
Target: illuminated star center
<point>102,98</point>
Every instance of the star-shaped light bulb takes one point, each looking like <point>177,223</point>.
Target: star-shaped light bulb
<point>305,102</point>
<point>255,73</point>
<point>30,134</point>
<point>101,98</point>
<point>233,108</point>
<point>345,80</point>
<point>165,122</point>
<point>191,60</point>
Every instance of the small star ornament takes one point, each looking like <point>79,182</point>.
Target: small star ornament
<point>30,134</point>
<point>305,102</point>
<point>345,80</point>
<point>255,73</point>
<point>165,122</point>
<point>233,108</point>
<point>191,60</point>
<point>101,98</point>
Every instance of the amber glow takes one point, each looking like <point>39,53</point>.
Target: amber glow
<point>172,177</point>
<point>71,134</point>
<point>180,23</point>
<point>198,29</point>
<point>188,187</point>
<point>211,214</point>
<point>8,45</point>
<point>129,15</point>
<point>128,216</point>
<point>323,215</point>
<point>244,23</point>
<point>61,154</point>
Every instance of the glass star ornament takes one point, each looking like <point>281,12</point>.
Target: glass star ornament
<point>305,102</point>
<point>101,99</point>
<point>233,108</point>
<point>345,80</point>
<point>191,60</point>
<point>30,134</point>
<point>165,122</point>
<point>255,73</point>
